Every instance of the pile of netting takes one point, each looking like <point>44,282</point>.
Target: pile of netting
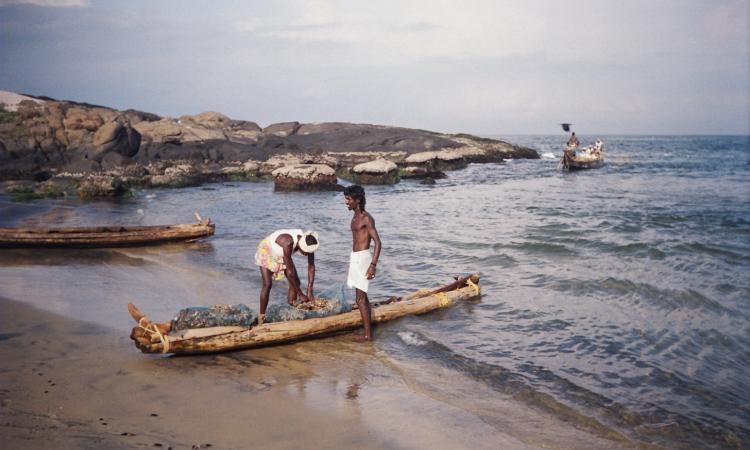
<point>337,299</point>
<point>214,316</point>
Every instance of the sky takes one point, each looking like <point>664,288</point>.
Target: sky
<point>482,67</point>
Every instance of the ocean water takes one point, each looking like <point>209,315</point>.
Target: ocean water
<point>621,293</point>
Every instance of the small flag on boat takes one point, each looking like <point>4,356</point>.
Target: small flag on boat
<point>566,126</point>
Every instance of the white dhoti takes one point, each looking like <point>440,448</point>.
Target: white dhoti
<point>359,262</point>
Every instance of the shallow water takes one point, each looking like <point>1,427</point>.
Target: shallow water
<point>621,292</point>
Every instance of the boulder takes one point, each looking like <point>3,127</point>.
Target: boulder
<point>245,125</point>
<point>351,159</point>
<point>421,172</point>
<point>160,131</point>
<point>283,129</point>
<point>118,137</point>
<point>179,175</point>
<point>379,171</point>
<point>277,161</point>
<point>207,119</point>
<point>82,119</point>
<point>101,186</point>
<point>306,177</point>
<point>445,159</point>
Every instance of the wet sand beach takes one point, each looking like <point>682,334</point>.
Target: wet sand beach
<point>72,384</point>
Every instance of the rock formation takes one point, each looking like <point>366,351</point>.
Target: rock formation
<point>379,171</point>
<point>306,177</point>
<point>42,138</point>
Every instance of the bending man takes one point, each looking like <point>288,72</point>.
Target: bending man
<point>362,264</point>
<point>274,257</point>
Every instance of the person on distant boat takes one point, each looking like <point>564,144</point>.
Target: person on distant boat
<point>573,141</point>
<point>274,257</point>
<point>598,147</point>
<point>362,263</point>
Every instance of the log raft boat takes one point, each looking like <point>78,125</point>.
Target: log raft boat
<point>105,236</point>
<point>591,157</point>
<point>220,339</point>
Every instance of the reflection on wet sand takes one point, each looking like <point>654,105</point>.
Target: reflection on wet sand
<point>74,385</point>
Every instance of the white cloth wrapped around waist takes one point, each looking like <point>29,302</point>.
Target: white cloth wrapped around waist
<point>359,262</point>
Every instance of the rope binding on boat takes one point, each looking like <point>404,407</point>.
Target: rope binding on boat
<point>153,329</point>
<point>444,300</point>
<point>474,285</point>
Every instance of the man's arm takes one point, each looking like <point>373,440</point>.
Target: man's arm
<point>373,233</point>
<point>310,275</point>
<point>285,241</point>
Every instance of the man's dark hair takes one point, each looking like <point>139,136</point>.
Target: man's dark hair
<point>356,191</point>
<point>310,240</point>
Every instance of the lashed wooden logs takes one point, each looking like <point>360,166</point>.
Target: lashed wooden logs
<point>293,330</point>
<point>106,236</point>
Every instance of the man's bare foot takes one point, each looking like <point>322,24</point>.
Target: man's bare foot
<point>357,337</point>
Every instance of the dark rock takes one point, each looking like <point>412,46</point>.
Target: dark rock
<point>42,175</point>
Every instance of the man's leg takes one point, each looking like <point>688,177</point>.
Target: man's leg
<point>291,296</point>
<point>265,290</point>
<point>364,309</point>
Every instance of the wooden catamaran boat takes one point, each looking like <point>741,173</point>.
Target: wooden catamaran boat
<point>107,236</point>
<point>219,339</point>
<point>590,157</point>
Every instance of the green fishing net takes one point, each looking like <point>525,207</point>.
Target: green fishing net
<point>337,299</point>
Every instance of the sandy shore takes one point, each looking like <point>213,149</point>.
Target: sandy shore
<point>71,384</point>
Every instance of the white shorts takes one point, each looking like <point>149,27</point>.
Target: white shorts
<point>359,262</point>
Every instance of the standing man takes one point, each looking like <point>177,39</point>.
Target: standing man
<point>362,263</point>
<point>573,141</point>
<point>274,256</point>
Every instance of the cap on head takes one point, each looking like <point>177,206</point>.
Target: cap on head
<point>308,243</point>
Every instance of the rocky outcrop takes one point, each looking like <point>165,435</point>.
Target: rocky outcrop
<point>68,140</point>
<point>380,171</point>
<point>306,177</point>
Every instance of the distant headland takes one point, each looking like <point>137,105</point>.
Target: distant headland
<point>52,148</point>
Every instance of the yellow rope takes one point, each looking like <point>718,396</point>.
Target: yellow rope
<point>444,300</point>
<point>474,285</point>
<point>152,328</point>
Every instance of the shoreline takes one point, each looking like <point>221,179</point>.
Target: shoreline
<point>72,384</point>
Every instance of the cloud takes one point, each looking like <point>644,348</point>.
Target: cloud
<point>49,3</point>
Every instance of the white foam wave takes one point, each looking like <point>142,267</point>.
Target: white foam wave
<point>411,338</point>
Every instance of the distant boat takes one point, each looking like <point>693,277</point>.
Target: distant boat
<point>104,236</point>
<point>590,157</point>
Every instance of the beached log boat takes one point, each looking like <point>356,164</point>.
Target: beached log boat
<point>219,339</point>
<point>590,157</point>
<point>105,236</point>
